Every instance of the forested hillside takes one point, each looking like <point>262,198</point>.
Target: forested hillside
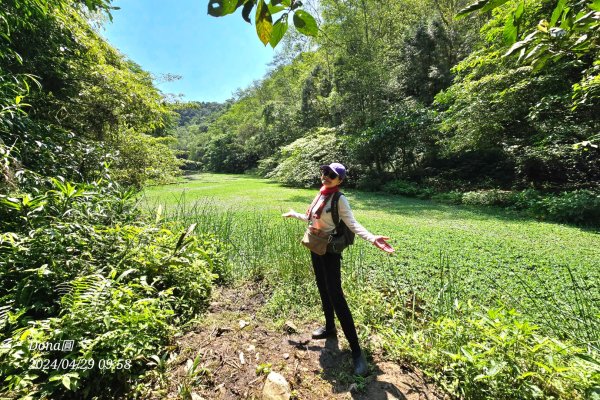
<point>418,102</point>
<point>193,122</point>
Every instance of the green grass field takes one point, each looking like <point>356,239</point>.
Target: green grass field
<point>549,272</point>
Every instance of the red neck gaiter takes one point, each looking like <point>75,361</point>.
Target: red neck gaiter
<point>327,192</point>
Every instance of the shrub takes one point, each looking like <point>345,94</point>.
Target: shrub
<point>579,206</point>
<point>266,165</point>
<point>190,165</point>
<point>372,181</point>
<point>78,262</point>
<point>527,199</point>
<point>408,189</point>
<point>449,197</point>
<point>114,328</point>
<point>492,197</point>
<point>557,167</point>
<point>300,160</point>
<point>404,188</point>
<point>497,354</point>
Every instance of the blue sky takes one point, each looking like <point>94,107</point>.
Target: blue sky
<point>215,56</point>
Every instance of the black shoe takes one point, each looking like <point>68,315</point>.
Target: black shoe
<point>322,333</point>
<point>360,365</point>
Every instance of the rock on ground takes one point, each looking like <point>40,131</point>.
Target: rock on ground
<point>276,388</point>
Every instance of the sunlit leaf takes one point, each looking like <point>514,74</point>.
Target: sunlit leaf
<point>509,34</point>
<point>519,12</point>
<point>557,12</point>
<point>279,30</point>
<point>184,235</point>
<point>305,23</point>
<point>590,359</point>
<point>66,381</point>
<point>567,19</point>
<point>587,17</point>
<point>540,62</point>
<point>264,22</point>
<point>276,9</point>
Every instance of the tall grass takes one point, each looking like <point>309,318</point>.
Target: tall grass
<point>262,244</point>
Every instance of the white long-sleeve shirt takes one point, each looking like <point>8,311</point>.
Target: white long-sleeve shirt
<point>325,223</point>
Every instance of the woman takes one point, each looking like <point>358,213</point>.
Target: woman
<point>327,266</point>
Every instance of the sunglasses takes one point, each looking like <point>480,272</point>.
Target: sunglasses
<point>329,173</point>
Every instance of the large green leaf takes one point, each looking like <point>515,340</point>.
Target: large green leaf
<point>519,12</point>
<point>247,10</point>
<point>276,9</point>
<point>557,12</point>
<point>305,23</point>
<point>509,34</point>
<point>279,30</point>
<point>219,8</point>
<point>522,44</point>
<point>264,22</point>
<point>511,25</point>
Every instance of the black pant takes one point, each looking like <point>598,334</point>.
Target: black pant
<point>329,281</point>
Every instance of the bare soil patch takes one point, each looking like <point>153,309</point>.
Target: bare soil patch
<point>237,349</point>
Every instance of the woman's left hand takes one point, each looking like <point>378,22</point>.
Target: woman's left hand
<point>380,242</point>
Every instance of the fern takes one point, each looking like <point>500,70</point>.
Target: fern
<point>86,291</point>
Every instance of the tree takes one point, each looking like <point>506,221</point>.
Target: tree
<point>68,98</point>
<point>571,31</point>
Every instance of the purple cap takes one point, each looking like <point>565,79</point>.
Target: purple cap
<point>337,168</point>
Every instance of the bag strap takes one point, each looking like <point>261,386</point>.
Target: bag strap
<point>334,208</point>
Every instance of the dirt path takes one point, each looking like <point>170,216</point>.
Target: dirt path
<point>237,350</point>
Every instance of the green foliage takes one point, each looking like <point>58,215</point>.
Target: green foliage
<point>79,263</point>
<point>263,369</point>
<point>408,189</point>
<point>580,206</point>
<point>421,97</point>
<point>426,59</point>
<point>557,167</point>
<point>571,32</point>
<point>83,97</point>
<point>492,197</point>
<point>452,197</point>
<point>497,354</point>
<point>300,161</point>
<point>398,142</point>
<point>143,158</point>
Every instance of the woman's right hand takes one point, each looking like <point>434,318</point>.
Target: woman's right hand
<point>289,214</point>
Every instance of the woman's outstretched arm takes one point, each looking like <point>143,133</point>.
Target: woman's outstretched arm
<point>346,215</point>
<point>294,214</point>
